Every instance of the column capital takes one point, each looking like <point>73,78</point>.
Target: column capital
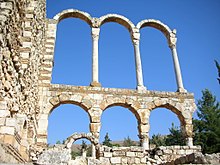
<point>135,37</point>
<point>95,33</point>
<point>172,39</point>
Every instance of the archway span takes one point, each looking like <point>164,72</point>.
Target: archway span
<point>127,106</point>
<point>75,14</point>
<point>76,136</point>
<point>56,101</point>
<point>118,19</point>
<point>119,122</point>
<point>157,25</point>
<point>64,120</point>
<point>170,106</point>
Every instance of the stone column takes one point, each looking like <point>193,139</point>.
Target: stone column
<point>144,135</point>
<point>172,45</point>
<point>93,151</point>
<point>188,130</point>
<point>139,75</point>
<point>95,67</point>
<point>144,127</point>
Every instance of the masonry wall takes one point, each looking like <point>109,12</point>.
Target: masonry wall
<point>21,43</point>
<point>134,155</point>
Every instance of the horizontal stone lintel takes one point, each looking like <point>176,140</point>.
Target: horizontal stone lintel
<point>117,91</point>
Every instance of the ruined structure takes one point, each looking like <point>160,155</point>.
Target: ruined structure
<point>27,97</point>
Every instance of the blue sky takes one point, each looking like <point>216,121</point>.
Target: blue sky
<point>198,44</point>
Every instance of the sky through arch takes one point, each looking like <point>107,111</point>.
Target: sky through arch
<point>197,24</point>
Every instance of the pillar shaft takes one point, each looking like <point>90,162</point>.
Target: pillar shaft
<point>172,45</point>
<point>95,62</point>
<point>138,65</point>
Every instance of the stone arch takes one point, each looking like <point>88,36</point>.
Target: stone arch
<point>170,105</point>
<point>132,105</point>
<point>118,19</point>
<point>157,25</point>
<point>75,14</point>
<point>76,136</point>
<point>56,101</point>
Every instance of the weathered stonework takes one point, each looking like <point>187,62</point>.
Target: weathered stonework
<point>27,97</point>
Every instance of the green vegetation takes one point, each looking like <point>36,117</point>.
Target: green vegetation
<point>218,68</point>
<point>175,137</point>
<point>207,127</point>
<point>107,141</point>
<point>158,140</point>
<point>128,142</point>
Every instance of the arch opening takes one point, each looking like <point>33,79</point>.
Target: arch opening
<point>158,72</point>
<point>166,125</point>
<point>64,120</point>
<point>72,61</point>
<point>121,127</point>
<point>117,19</point>
<point>72,13</point>
<point>113,66</point>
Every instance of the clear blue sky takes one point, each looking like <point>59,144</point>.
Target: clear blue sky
<point>197,23</point>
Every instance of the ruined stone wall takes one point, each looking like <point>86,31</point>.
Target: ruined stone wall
<point>123,155</point>
<point>21,43</point>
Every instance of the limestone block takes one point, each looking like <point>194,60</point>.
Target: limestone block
<point>130,154</point>
<point>9,139</point>
<point>115,160</point>
<point>95,127</point>
<point>2,121</point>
<point>137,160</point>
<point>76,98</point>
<point>107,154</point>
<point>4,113</point>
<point>124,160</point>
<point>7,130</point>
<point>87,103</point>
<point>3,105</point>
<point>143,160</point>
<point>54,100</point>
<point>42,124</point>
<point>131,160</point>
<point>64,97</point>
<point>11,122</point>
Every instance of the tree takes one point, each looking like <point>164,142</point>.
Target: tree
<point>158,140</point>
<point>218,68</point>
<point>58,142</point>
<point>175,137</point>
<point>128,142</point>
<point>207,127</point>
<point>107,140</point>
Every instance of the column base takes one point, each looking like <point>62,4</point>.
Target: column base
<point>95,84</point>
<point>181,90</point>
<point>189,141</point>
<point>141,88</point>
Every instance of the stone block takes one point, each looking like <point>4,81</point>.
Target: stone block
<point>11,122</point>
<point>7,130</point>
<point>124,160</point>
<point>95,127</point>
<point>130,154</point>
<point>115,160</point>
<point>3,105</point>
<point>137,160</point>
<point>4,113</point>
<point>2,121</point>
<point>107,154</point>
<point>9,139</point>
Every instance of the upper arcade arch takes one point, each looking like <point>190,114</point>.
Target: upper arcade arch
<point>95,24</point>
<point>117,19</point>
<point>157,25</point>
<point>75,14</point>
